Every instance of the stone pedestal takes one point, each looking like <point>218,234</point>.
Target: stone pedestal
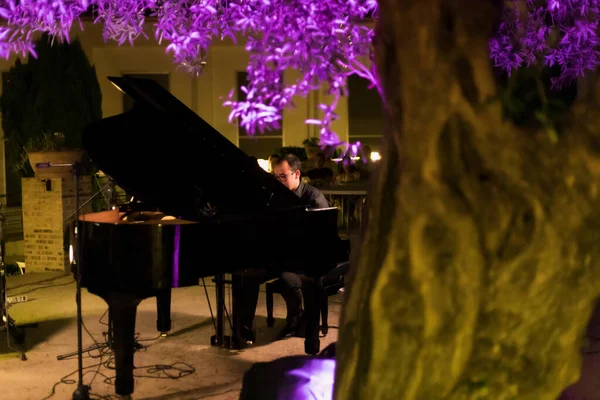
<point>46,205</point>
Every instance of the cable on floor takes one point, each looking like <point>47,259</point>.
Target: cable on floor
<point>105,354</point>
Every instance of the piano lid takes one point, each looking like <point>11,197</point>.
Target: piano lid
<point>170,158</point>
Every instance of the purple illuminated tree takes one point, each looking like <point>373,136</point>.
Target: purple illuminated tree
<point>552,32</point>
<point>479,263</point>
<point>322,40</point>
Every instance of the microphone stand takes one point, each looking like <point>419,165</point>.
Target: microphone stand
<point>107,185</point>
<point>83,391</point>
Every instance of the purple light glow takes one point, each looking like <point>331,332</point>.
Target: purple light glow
<point>292,377</point>
<point>176,256</point>
<point>313,380</point>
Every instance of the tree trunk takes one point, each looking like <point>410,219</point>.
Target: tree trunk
<point>480,261</point>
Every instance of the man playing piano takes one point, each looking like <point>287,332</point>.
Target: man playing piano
<point>287,171</point>
<point>146,259</point>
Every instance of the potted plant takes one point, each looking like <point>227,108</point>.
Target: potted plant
<point>46,103</point>
<point>312,146</point>
<point>49,148</point>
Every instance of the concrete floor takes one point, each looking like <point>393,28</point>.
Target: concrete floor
<point>217,373</point>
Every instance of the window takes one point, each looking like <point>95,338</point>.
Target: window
<point>161,79</point>
<point>366,121</point>
<point>261,145</point>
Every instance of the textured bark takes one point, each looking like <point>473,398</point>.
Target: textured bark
<point>479,266</point>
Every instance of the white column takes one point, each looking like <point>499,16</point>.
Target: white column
<point>340,126</point>
<point>226,62</point>
<point>205,92</point>
<point>294,128</point>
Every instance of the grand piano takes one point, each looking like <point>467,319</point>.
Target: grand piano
<point>207,209</point>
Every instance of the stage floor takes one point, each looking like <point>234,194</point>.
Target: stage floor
<point>218,373</point>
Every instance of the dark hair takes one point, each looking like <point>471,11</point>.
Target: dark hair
<point>292,160</point>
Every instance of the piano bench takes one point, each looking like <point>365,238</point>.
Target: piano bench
<point>328,285</point>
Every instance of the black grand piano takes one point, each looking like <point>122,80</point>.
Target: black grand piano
<point>207,209</point>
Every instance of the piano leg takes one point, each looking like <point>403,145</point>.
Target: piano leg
<point>163,311</point>
<point>312,302</point>
<point>219,339</point>
<point>109,334</point>
<point>237,341</point>
<point>122,308</point>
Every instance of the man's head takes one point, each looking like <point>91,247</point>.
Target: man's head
<point>272,160</point>
<point>346,163</point>
<point>287,171</point>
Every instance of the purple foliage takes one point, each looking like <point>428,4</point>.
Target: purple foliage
<point>550,32</point>
<point>320,40</point>
<point>323,41</point>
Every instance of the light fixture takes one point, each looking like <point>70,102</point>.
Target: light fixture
<point>264,164</point>
<point>375,156</point>
<point>340,159</point>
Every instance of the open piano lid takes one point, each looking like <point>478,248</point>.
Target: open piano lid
<point>169,158</point>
